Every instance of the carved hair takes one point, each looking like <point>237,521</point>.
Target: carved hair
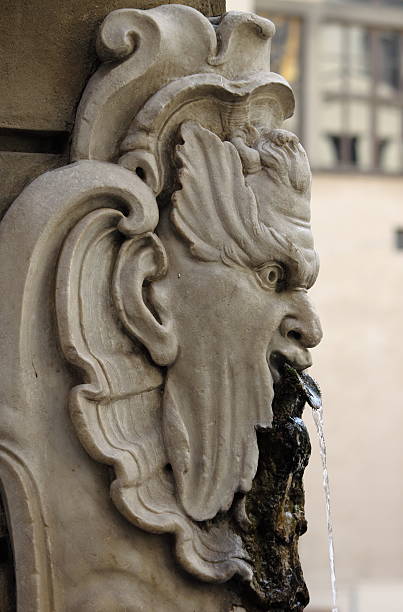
<point>216,211</point>
<point>279,152</point>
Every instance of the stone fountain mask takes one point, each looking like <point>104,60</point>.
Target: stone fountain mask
<point>161,282</point>
<point>216,295</point>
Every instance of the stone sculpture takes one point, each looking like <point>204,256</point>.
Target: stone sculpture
<point>160,282</point>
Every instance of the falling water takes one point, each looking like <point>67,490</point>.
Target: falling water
<point>314,399</point>
<point>318,418</point>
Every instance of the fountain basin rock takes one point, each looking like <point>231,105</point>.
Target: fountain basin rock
<point>275,505</point>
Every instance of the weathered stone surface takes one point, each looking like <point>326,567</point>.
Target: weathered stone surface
<point>19,169</point>
<point>160,280</point>
<point>48,53</point>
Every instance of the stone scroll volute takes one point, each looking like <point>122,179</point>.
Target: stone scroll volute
<point>173,258</point>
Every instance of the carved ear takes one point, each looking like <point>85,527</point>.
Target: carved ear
<point>142,260</point>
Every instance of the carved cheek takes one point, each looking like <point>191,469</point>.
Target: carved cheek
<point>271,313</point>
<point>249,315</point>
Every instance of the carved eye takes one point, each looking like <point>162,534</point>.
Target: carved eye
<point>271,276</point>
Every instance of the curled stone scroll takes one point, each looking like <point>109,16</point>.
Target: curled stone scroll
<point>169,266</point>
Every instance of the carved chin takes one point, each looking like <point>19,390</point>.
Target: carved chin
<point>209,425</point>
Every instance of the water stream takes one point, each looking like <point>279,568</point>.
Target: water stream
<point>318,418</point>
<point>313,397</point>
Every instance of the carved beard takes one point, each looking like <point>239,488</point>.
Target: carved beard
<point>211,406</point>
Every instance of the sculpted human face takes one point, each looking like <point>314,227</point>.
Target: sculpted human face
<point>300,328</point>
<point>230,321</point>
<point>231,298</point>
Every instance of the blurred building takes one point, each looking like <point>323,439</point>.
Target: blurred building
<point>345,62</point>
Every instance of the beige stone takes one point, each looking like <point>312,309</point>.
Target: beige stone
<point>157,276</point>
<point>18,169</point>
<point>48,54</point>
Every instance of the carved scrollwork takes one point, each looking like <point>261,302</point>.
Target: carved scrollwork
<point>191,99</point>
<point>118,412</point>
<point>181,245</point>
<point>175,46</point>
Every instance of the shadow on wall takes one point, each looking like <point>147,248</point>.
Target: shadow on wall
<point>7,578</point>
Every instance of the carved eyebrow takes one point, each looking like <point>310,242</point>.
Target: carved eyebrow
<point>308,271</point>
<point>293,256</point>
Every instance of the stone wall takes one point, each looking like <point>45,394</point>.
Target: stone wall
<point>48,54</point>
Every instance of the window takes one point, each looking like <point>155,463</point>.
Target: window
<point>285,59</point>
<point>399,238</point>
<point>345,64</point>
<point>361,118</point>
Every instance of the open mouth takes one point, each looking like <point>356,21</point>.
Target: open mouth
<point>281,369</point>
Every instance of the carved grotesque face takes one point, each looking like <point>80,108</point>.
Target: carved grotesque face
<point>241,261</point>
<point>217,294</point>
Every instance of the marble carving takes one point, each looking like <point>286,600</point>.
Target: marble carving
<point>167,266</point>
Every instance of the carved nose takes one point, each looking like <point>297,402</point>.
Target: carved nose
<point>303,326</point>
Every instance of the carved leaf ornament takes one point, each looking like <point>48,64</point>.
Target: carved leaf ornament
<point>182,112</point>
